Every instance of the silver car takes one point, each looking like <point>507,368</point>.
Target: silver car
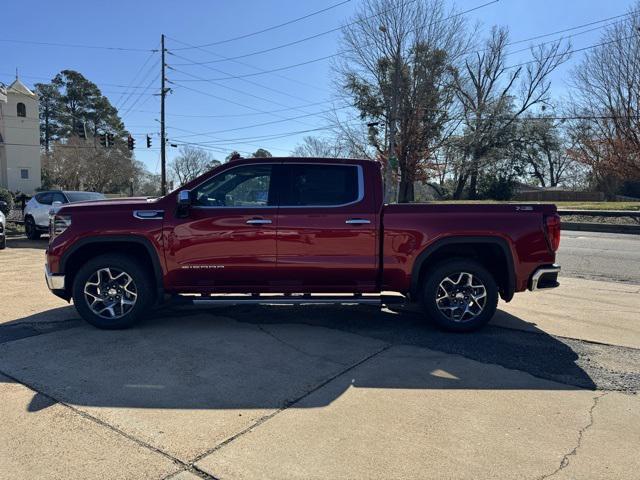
<point>36,211</point>
<point>3,231</point>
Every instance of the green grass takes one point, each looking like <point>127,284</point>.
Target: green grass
<point>634,206</point>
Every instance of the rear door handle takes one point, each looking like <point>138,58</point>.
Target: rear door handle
<point>357,221</point>
<point>258,221</point>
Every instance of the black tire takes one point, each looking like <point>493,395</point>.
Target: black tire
<point>143,283</point>
<point>30,229</point>
<point>467,321</point>
<point>3,242</point>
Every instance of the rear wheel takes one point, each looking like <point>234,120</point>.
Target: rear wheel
<point>459,295</point>
<point>30,229</point>
<point>112,291</point>
<point>3,242</point>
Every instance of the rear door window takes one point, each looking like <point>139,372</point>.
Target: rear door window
<point>58,197</point>
<point>309,185</point>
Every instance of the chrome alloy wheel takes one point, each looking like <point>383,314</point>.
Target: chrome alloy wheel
<point>461,297</point>
<point>110,293</point>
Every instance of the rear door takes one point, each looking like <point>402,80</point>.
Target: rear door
<point>326,229</point>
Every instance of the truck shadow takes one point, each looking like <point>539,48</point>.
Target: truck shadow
<point>258,357</point>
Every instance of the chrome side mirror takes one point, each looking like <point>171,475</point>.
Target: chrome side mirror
<point>184,198</point>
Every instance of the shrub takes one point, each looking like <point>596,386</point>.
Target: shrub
<point>5,196</point>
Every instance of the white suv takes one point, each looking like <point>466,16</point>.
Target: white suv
<point>3,231</point>
<point>36,211</point>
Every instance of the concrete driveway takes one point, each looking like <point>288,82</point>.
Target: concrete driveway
<point>548,391</point>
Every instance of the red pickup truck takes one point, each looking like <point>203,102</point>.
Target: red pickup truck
<point>293,230</point>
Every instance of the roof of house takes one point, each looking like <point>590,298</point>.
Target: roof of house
<point>18,87</point>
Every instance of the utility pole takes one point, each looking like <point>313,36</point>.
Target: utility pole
<point>163,140</point>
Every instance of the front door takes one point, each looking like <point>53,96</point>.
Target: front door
<point>227,243</point>
<point>327,229</point>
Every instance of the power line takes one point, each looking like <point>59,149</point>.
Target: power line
<point>326,57</point>
<point>144,78</point>
<point>561,38</point>
<point>233,115</point>
<point>317,35</point>
<point>589,47</point>
<point>76,45</point>
<point>269,123</point>
<point>238,62</point>
<point>135,102</point>
<point>239,91</point>
<point>268,29</point>
<point>135,77</point>
<point>230,76</point>
<point>268,137</point>
<point>573,28</point>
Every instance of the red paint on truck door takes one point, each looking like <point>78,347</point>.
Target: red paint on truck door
<point>327,229</point>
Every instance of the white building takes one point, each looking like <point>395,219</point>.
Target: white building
<point>20,167</point>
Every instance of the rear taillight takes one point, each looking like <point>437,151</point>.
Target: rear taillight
<point>552,225</point>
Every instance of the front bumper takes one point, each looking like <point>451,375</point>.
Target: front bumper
<point>54,281</point>
<point>545,277</point>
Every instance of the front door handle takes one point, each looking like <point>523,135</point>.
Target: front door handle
<point>357,221</point>
<point>258,221</point>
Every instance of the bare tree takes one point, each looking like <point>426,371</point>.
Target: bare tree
<point>545,149</point>
<point>82,165</point>
<point>317,147</point>
<point>396,71</point>
<point>606,96</point>
<point>191,163</point>
<point>494,96</point>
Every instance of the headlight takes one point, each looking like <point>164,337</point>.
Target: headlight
<point>58,224</point>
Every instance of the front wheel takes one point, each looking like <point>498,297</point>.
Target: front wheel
<point>112,291</point>
<point>31,229</point>
<point>459,295</point>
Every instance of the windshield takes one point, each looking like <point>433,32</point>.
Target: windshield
<point>83,196</point>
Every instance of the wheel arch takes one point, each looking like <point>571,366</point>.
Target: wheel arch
<point>87,248</point>
<point>491,251</point>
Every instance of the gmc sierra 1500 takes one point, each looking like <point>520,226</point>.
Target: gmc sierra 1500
<point>294,230</point>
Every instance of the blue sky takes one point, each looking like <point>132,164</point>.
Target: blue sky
<point>223,109</point>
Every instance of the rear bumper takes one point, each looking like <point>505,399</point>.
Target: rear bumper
<point>545,277</point>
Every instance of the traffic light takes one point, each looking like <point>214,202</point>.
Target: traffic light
<point>148,141</point>
<point>103,140</point>
<point>110,139</point>
<point>80,131</point>
<point>131,142</point>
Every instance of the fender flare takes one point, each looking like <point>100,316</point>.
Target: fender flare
<point>456,240</point>
<point>153,254</point>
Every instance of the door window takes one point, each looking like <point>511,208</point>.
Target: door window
<point>321,185</point>
<point>44,198</point>
<point>58,197</point>
<point>247,186</point>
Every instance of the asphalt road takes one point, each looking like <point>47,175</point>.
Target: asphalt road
<point>600,256</point>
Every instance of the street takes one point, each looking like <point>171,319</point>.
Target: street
<point>600,256</point>
<point>549,389</point>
